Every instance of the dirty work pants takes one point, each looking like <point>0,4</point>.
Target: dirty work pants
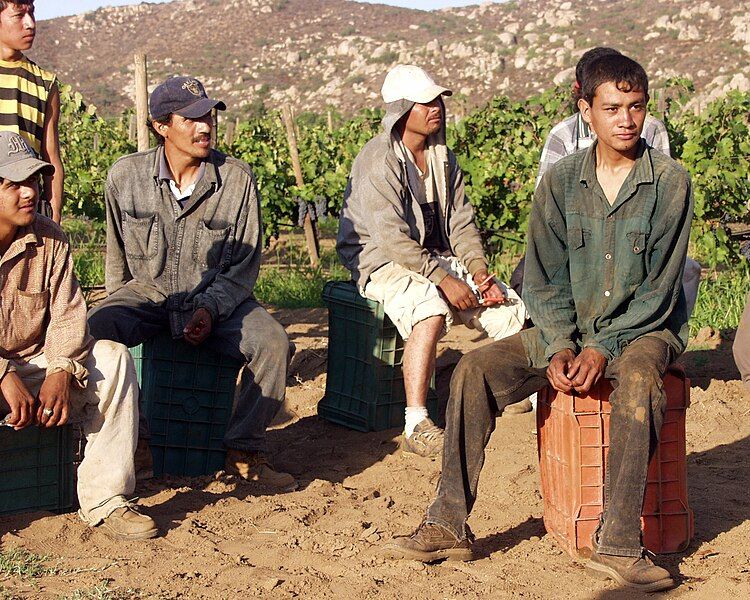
<point>250,334</point>
<point>488,379</point>
<point>741,346</point>
<point>107,411</point>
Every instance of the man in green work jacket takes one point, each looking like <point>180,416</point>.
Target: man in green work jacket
<point>607,241</point>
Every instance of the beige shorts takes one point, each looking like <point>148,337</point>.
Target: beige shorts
<point>409,298</point>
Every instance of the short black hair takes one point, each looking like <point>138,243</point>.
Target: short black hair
<point>583,63</point>
<point>166,119</point>
<point>5,3</point>
<point>624,72</point>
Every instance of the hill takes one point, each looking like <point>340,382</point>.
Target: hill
<point>333,53</point>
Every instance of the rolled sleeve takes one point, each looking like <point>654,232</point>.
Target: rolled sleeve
<point>6,367</point>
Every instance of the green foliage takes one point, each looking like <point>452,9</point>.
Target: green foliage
<point>288,281</point>
<point>19,562</point>
<point>721,299</point>
<point>716,153</point>
<point>498,149</point>
<point>88,146</point>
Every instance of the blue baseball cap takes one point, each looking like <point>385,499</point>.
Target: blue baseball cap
<point>184,96</point>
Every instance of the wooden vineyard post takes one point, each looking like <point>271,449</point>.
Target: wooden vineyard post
<point>229,133</point>
<point>311,234</point>
<point>141,101</point>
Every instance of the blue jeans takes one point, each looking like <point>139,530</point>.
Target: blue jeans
<point>250,334</point>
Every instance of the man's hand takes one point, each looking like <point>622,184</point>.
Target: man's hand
<point>54,400</point>
<point>558,370</point>
<point>587,368</point>
<point>199,327</point>
<point>491,292</point>
<point>458,293</point>
<point>20,401</point>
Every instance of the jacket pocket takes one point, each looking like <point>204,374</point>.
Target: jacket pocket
<point>635,249</point>
<point>30,313</point>
<point>140,236</point>
<point>580,270</point>
<point>211,249</point>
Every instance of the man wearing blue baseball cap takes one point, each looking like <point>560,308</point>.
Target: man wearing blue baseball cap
<point>183,254</point>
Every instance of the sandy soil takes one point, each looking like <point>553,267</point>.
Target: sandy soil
<point>227,539</point>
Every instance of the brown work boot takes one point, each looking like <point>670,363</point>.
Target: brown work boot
<point>637,573</point>
<point>144,461</point>
<point>254,466</point>
<point>426,440</point>
<point>429,543</point>
<point>126,523</point>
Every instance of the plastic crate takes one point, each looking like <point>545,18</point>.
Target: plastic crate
<point>37,470</point>
<point>187,395</point>
<point>573,439</point>
<point>364,383</point>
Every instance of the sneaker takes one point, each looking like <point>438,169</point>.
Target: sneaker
<point>426,440</point>
<point>519,408</point>
<point>637,573</point>
<point>429,543</point>
<point>144,461</point>
<point>126,523</point>
<point>254,466</point>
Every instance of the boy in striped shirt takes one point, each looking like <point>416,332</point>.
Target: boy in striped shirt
<point>30,98</point>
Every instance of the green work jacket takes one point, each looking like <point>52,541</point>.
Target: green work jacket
<point>600,275</point>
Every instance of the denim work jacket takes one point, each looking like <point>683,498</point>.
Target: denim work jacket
<point>600,275</point>
<point>205,255</point>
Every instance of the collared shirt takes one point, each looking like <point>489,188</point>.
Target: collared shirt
<point>204,255</point>
<point>574,134</point>
<point>600,275</point>
<point>165,174</point>
<point>41,304</point>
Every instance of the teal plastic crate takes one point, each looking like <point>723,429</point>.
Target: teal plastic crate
<point>187,395</point>
<point>37,470</point>
<point>364,384</point>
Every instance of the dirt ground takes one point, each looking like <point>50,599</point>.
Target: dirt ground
<point>226,539</point>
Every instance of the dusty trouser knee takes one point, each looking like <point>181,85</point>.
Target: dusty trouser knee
<point>256,338</point>
<point>107,411</point>
<point>484,382</point>
<point>637,404</point>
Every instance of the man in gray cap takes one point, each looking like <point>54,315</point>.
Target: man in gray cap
<point>51,371</point>
<point>407,235</point>
<point>183,254</point>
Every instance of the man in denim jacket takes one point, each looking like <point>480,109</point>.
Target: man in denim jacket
<point>183,254</point>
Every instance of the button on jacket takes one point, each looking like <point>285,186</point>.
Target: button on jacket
<point>43,311</point>
<point>205,254</point>
<point>600,275</point>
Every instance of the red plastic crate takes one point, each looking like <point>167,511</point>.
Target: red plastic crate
<point>573,439</point>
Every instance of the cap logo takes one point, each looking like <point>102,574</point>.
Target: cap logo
<point>16,145</point>
<point>192,86</point>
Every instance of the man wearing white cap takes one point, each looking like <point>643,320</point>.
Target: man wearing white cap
<point>407,235</point>
<point>50,368</point>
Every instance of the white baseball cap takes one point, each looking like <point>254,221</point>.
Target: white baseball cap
<point>410,82</point>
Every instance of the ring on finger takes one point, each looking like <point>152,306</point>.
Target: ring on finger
<point>48,411</point>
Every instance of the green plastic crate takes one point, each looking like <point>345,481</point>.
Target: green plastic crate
<point>37,470</point>
<point>364,384</point>
<point>187,396</point>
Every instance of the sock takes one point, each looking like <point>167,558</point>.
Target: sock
<point>414,416</point>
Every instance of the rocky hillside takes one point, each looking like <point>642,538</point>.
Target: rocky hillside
<point>318,53</point>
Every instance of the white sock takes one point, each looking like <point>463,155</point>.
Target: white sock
<point>414,416</point>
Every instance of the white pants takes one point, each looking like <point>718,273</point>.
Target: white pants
<point>107,410</point>
<point>409,298</point>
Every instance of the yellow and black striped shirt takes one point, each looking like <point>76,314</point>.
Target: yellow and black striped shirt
<point>24,88</point>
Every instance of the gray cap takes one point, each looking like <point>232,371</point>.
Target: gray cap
<point>18,161</point>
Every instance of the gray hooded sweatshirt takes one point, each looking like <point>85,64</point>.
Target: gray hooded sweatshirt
<point>381,220</point>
